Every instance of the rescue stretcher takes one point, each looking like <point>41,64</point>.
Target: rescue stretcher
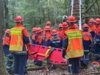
<point>41,53</point>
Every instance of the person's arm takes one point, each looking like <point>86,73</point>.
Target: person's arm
<point>26,37</point>
<point>65,43</point>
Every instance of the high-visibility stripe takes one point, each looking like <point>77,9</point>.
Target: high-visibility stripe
<point>75,46</point>
<point>16,43</point>
<point>48,52</point>
<point>77,53</point>
<point>72,35</point>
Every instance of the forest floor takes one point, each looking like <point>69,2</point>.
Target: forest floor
<point>91,70</point>
<point>62,72</point>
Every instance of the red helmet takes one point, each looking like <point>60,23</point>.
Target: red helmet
<point>54,31</point>
<point>91,20</point>
<point>96,63</point>
<point>48,23</point>
<point>47,28</point>
<point>38,30</point>
<point>71,19</point>
<point>7,31</point>
<point>34,29</point>
<point>60,25</point>
<point>98,20</point>
<point>85,25</point>
<point>65,24</point>
<point>18,19</point>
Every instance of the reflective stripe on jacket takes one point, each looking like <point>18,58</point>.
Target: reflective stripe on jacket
<point>75,45</point>
<point>16,41</point>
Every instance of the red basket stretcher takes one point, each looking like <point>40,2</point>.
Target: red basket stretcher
<point>32,51</point>
<point>56,57</point>
<point>43,53</point>
<point>38,52</point>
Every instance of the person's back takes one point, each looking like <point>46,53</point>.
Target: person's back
<point>73,46</point>
<point>18,42</point>
<point>8,54</point>
<point>87,37</point>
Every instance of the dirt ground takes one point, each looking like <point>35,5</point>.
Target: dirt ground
<point>63,72</point>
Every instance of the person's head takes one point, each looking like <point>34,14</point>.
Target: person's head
<point>65,25</point>
<point>71,20</point>
<point>34,30</point>
<point>7,31</point>
<point>85,27</point>
<point>76,25</point>
<point>47,29</point>
<point>91,21</point>
<point>54,32</point>
<point>48,23</point>
<point>55,35</point>
<point>39,30</point>
<point>97,21</point>
<point>60,26</point>
<point>19,20</point>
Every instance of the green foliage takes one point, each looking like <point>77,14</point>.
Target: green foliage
<point>36,12</point>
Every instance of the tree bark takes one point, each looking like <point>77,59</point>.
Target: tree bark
<point>2,69</point>
<point>6,13</point>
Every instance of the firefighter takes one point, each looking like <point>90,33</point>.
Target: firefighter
<point>60,31</point>
<point>87,42</point>
<point>47,36</point>
<point>37,37</point>
<point>73,46</point>
<point>8,54</point>
<point>34,31</point>
<point>92,27</point>
<point>18,42</point>
<point>65,26</point>
<point>97,39</point>
<point>56,41</point>
<point>97,23</point>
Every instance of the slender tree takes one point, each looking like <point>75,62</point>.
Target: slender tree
<point>2,69</point>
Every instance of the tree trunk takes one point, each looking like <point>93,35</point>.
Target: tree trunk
<point>6,13</point>
<point>2,69</point>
